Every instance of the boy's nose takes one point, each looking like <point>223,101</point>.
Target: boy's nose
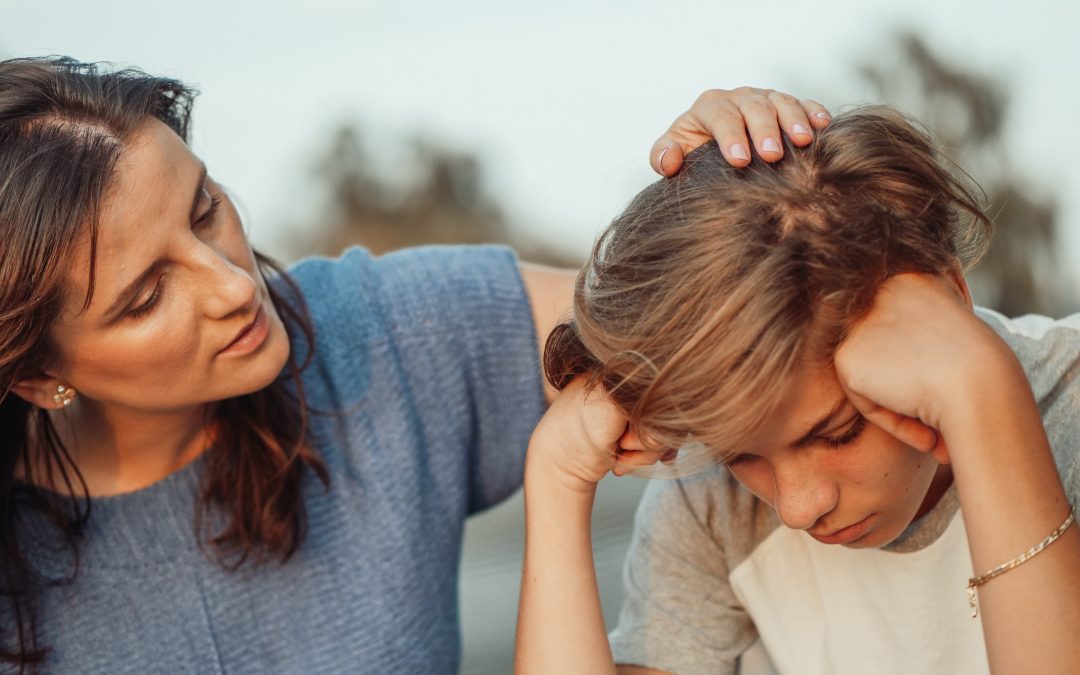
<point>802,496</point>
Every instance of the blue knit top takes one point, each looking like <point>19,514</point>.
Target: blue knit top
<point>429,357</point>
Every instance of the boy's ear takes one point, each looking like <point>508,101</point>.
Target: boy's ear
<point>46,392</point>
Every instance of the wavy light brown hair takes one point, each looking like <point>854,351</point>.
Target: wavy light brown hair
<point>63,124</point>
<point>703,297</point>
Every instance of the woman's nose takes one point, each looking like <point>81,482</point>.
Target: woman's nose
<point>228,288</point>
<point>803,495</point>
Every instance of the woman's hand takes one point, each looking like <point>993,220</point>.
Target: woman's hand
<point>726,115</point>
<point>911,362</point>
<point>583,436</point>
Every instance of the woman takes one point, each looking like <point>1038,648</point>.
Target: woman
<point>210,465</point>
<point>808,325</point>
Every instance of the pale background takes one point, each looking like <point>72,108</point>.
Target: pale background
<point>560,101</point>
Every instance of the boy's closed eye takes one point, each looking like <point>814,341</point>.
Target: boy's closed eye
<point>848,433</point>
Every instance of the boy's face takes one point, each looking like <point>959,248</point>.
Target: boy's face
<point>827,470</point>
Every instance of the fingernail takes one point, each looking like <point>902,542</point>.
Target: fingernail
<point>660,159</point>
<point>800,130</point>
<point>738,151</point>
<point>770,145</point>
<point>822,115</point>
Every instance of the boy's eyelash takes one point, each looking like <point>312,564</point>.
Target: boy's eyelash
<point>848,436</point>
<point>737,459</point>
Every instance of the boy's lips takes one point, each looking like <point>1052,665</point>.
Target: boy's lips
<point>844,535</point>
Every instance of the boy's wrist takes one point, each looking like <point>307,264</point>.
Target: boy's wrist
<point>993,399</point>
<point>544,472</point>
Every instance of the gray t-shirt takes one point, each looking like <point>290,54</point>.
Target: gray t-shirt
<point>711,569</point>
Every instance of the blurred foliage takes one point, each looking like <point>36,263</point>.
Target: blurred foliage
<point>967,111</point>
<point>440,199</point>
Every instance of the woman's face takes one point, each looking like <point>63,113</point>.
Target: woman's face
<point>180,315</point>
<point>827,470</point>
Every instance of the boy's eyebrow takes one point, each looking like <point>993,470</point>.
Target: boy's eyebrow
<point>822,424</point>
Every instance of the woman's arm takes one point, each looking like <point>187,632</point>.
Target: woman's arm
<point>922,365</point>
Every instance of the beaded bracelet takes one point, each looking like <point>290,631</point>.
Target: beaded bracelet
<point>975,582</point>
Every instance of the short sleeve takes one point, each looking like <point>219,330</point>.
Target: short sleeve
<point>475,297</point>
<point>1049,351</point>
<point>435,349</point>
<point>680,614</point>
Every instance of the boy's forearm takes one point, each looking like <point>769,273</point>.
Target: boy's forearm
<point>560,623</point>
<point>1012,498</point>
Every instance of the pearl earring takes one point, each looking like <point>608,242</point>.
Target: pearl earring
<point>64,395</point>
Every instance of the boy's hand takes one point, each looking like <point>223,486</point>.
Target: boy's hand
<point>583,436</point>
<point>913,361</point>
<point>726,115</point>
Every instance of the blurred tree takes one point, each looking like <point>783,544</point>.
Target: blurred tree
<point>441,200</point>
<point>1022,273</point>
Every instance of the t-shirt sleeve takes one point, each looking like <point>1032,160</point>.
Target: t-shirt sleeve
<point>462,326</point>
<point>1049,351</point>
<point>680,614</point>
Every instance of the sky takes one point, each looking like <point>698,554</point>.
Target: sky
<point>561,100</point>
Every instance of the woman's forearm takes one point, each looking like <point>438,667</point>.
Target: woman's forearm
<point>560,624</point>
<point>1012,498</point>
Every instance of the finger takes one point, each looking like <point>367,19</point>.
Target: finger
<point>761,120</point>
<point>792,117</point>
<point>817,114</point>
<point>714,115</point>
<point>631,440</point>
<point>666,156</point>
<point>629,460</point>
<point>907,430</point>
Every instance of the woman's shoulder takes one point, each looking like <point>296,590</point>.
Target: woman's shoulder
<point>411,288</point>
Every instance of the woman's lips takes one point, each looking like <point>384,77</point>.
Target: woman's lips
<point>250,338</point>
<point>845,535</point>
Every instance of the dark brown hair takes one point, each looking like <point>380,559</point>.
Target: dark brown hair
<point>701,299</point>
<point>63,124</point>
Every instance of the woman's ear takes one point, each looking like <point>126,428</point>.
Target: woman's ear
<point>46,392</point>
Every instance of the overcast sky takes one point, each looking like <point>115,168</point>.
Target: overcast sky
<point>561,99</point>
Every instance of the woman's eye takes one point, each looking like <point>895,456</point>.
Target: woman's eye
<point>208,215</point>
<point>849,436</point>
<point>145,307</point>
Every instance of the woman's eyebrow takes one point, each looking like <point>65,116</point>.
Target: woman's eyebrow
<point>822,424</point>
<point>132,288</point>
